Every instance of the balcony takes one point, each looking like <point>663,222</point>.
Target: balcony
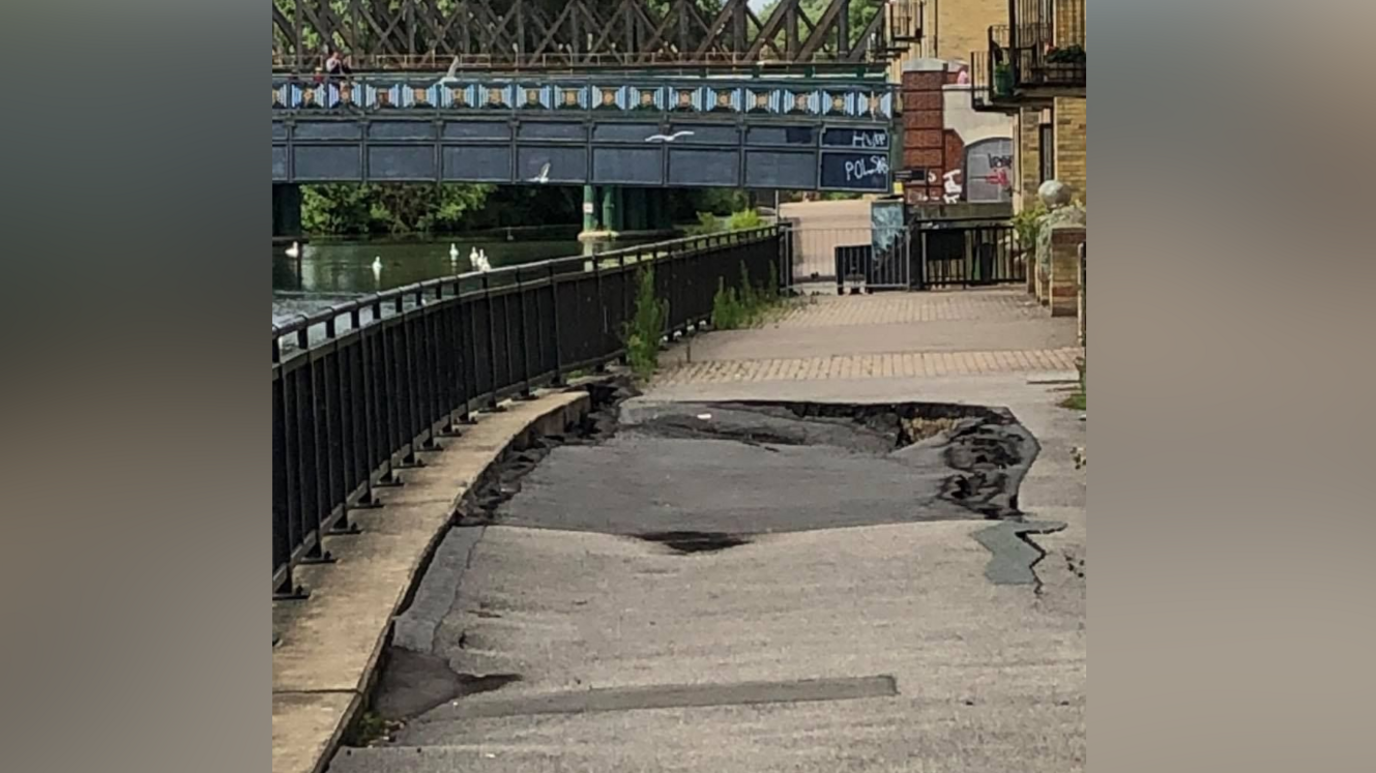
<point>991,76</point>
<point>1047,48</point>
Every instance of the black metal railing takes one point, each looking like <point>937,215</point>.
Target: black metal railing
<point>1048,43</point>
<point>958,253</point>
<point>359,388</point>
<point>991,73</point>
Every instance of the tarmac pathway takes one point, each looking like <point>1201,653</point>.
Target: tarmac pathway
<point>721,585</point>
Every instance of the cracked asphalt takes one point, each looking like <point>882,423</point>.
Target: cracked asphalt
<point>755,592</point>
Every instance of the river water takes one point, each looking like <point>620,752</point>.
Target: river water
<point>331,272</point>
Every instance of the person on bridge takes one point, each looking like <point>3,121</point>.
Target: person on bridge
<point>723,103</point>
<point>533,100</point>
<point>838,106</point>
<point>335,64</point>
<point>458,98</point>
<point>761,104</point>
<point>308,100</point>
<point>276,100</point>
<point>800,106</point>
<point>420,97</point>
<point>495,101</point>
<point>608,100</point>
<point>383,98</point>
<point>647,101</point>
<point>685,102</point>
<point>571,100</point>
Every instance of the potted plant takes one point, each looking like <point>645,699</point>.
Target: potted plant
<point>1003,80</point>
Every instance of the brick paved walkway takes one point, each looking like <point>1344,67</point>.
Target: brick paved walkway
<point>897,335</point>
<point>899,308</point>
<point>897,364</point>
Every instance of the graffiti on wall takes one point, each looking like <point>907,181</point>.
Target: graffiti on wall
<point>989,170</point>
<point>951,186</point>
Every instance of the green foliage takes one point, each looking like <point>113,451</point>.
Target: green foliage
<point>745,220</point>
<point>720,201</point>
<point>860,16</point>
<point>1028,224</point>
<point>646,328</point>
<point>747,305</point>
<point>709,223</point>
<point>1079,400</point>
<point>358,209</point>
<point>1069,55</point>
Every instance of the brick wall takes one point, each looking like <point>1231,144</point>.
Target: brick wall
<point>1072,153</point>
<point>1027,165</point>
<point>962,26</point>
<point>1070,22</point>
<point>924,135</point>
<point>1064,281</point>
<point>953,29</point>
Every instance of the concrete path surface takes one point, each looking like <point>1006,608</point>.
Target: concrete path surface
<point>821,608</point>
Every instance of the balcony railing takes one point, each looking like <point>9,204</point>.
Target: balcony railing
<point>991,74</point>
<point>905,20</point>
<point>1047,44</point>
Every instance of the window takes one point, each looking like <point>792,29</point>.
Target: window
<point>1046,148</point>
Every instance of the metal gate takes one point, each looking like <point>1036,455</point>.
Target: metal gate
<point>964,254</point>
<point>888,254</point>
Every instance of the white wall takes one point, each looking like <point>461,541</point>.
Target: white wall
<point>970,125</point>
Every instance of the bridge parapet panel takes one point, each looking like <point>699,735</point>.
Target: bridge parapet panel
<point>731,147</point>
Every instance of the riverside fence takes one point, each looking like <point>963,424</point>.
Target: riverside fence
<point>359,388</point>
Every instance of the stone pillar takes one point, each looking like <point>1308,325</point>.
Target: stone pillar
<point>286,210</point>
<point>1063,289</point>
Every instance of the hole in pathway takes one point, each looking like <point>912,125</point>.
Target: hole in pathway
<point>695,541</point>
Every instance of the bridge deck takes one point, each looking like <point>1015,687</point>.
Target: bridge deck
<point>802,134</point>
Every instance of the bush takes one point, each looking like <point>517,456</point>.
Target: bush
<point>709,223</point>
<point>646,328</point>
<point>744,306</point>
<point>745,220</point>
<point>1028,223</point>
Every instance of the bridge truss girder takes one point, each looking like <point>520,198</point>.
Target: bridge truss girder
<point>561,34</point>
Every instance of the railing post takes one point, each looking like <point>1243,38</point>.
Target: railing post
<point>411,427</point>
<point>491,346</point>
<point>558,348</point>
<point>309,476</point>
<point>526,393</point>
<point>334,439</point>
<point>468,356</point>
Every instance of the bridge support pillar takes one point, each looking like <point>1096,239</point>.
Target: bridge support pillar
<point>611,214</point>
<point>286,210</point>
<point>589,208</point>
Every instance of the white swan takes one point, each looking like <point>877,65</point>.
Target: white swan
<point>294,251</point>
<point>543,176</point>
<point>482,263</point>
<point>377,265</point>
<point>453,253</point>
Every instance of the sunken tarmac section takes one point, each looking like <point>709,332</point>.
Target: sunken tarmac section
<point>735,588</point>
<point>722,470</point>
